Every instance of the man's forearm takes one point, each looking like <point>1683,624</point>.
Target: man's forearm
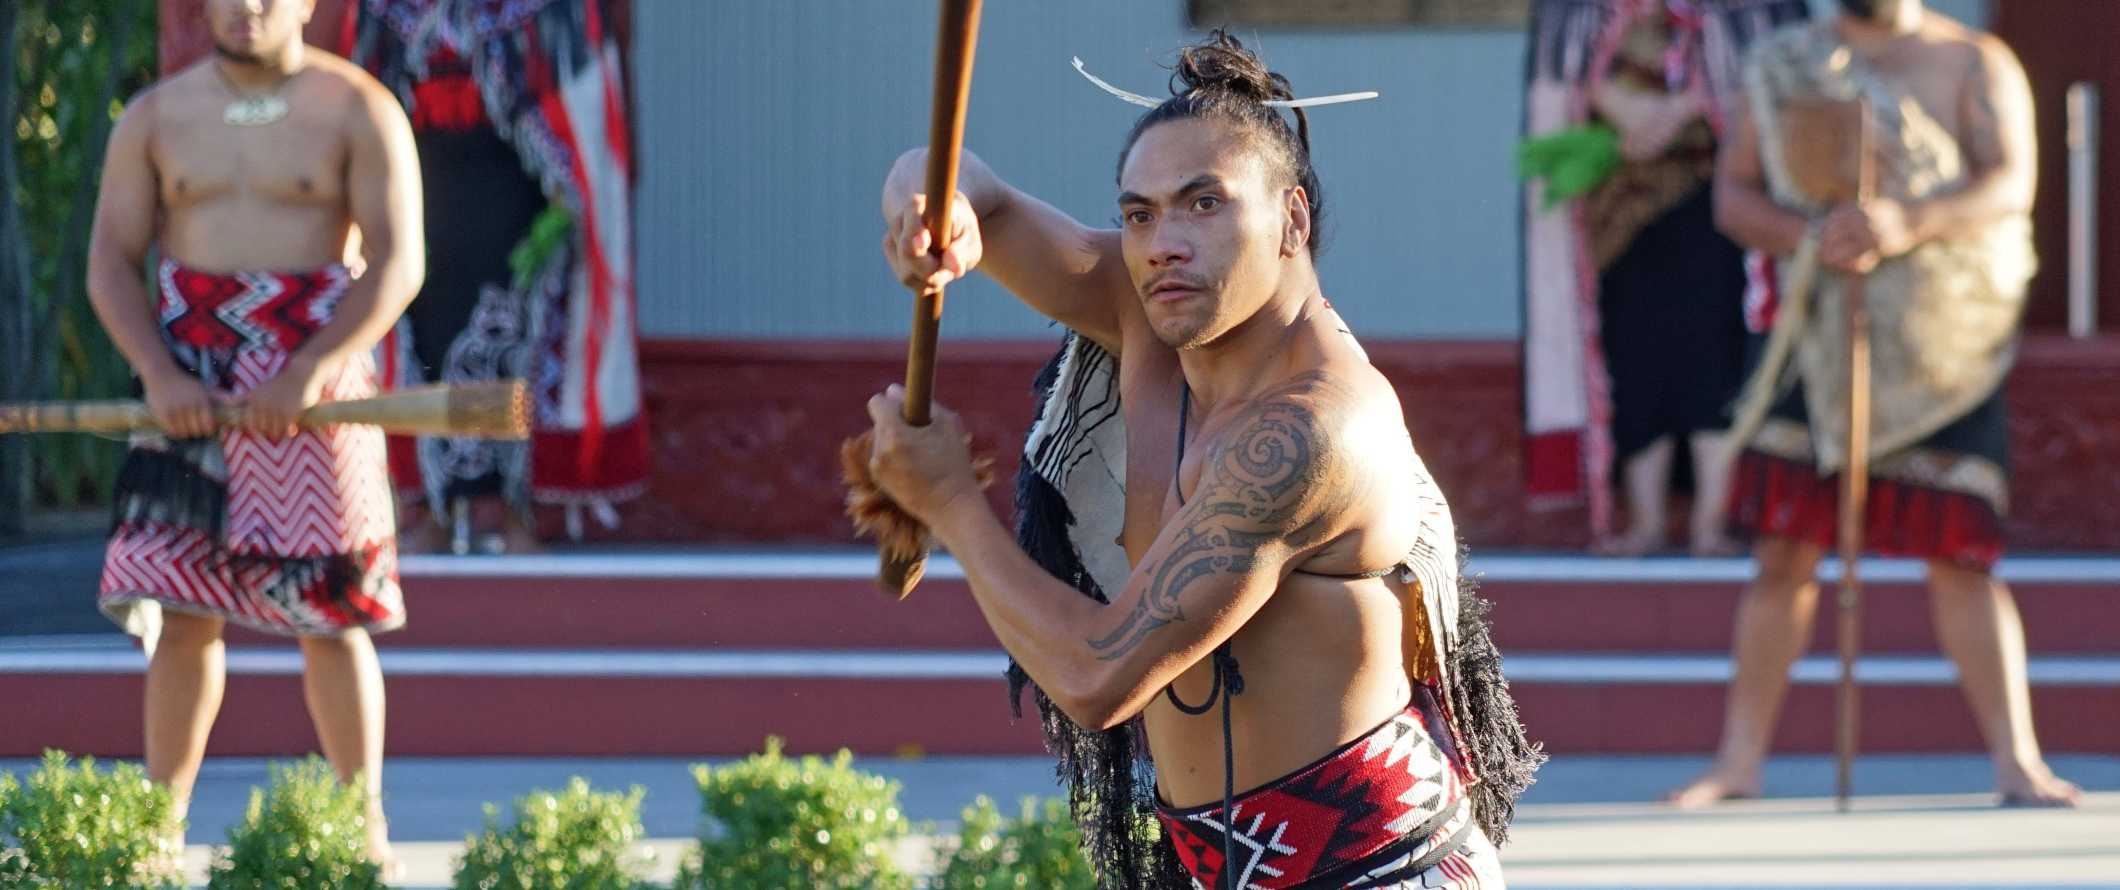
<point>986,192</point>
<point>1752,219</point>
<point>121,302</point>
<point>1041,621</point>
<point>370,307</point>
<point>1988,199</point>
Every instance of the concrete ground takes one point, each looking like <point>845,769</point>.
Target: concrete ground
<point>1591,822</point>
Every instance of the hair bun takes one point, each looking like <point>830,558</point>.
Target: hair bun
<point>1222,64</point>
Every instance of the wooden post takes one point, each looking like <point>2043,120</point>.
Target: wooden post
<point>1854,493</point>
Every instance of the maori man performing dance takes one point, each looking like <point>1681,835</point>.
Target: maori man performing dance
<point>249,173</point>
<point>1290,623</point>
<point>1944,250</point>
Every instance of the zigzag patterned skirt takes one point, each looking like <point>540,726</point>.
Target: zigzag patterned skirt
<point>294,535</point>
<point>1386,811</point>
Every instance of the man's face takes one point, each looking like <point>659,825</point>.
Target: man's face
<point>1205,230</point>
<point>1883,12</point>
<point>252,31</point>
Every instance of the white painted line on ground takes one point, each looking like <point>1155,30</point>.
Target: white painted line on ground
<point>1559,668</point>
<point>861,565</point>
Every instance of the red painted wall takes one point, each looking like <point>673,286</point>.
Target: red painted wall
<point>746,435</point>
<point>2061,42</point>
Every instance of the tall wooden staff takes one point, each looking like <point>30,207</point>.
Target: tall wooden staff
<point>902,542</point>
<point>1854,485</point>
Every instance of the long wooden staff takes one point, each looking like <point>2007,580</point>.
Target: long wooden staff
<point>496,410</point>
<point>1854,487</point>
<point>902,543</point>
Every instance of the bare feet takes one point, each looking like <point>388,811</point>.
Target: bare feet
<point>166,863</point>
<point>1713,788</point>
<point>380,852</point>
<point>2037,787</point>
<point>1635,542</point>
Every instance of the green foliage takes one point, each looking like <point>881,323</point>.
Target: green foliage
<point>75,826</point>
<point>75,63</point>
<point>304,831</point>
<point>1039,850</point>
<point>806,824</point>
<point>576,839</point>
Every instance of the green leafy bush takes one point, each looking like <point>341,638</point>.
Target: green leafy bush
<point>577,839</point>
<point>304,831</point>
<point>75,826</point>
<point>808,824</point>
<point>1040,849</point>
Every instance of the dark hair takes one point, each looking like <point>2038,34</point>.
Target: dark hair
<point>1218,79</point>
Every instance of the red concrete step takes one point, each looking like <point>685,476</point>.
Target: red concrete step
<point>826,601</point>
<point>589,703</point>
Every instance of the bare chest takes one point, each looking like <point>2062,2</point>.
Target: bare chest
<point>1930,82</point>
<point>201,159</point>
<point>1149,398</point>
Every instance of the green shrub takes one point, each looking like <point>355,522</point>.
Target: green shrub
<point>1040,850</point>
<point>576,839</point>
<point>307,830</point>
<point>809,824</point>
<point>75,826</point>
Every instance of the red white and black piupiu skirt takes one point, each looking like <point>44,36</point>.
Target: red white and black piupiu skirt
<point>1942,499</point>
<point>1387,811</point>
<point>293,535</point>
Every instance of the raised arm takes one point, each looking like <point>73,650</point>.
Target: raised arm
<point>1067,271</point>
<point>1268,497</point>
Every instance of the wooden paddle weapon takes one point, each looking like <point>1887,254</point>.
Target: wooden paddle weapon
<point>901,540</point>
<point>497,410</point>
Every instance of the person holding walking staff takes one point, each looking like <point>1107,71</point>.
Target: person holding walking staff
<point>1936,253</point>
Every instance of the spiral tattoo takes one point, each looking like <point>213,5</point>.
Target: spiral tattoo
<point>1254,489</point>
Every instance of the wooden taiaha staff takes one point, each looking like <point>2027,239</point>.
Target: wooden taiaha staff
<point>902,542</point>
<point>1854,487</point>
<point>498,410</point>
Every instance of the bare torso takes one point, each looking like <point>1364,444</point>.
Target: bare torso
<point>1935,66</point>
<point>1321,661</point>
<point>272,197</point>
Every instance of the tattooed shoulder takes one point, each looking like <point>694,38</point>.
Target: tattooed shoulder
<point>1264,491</point>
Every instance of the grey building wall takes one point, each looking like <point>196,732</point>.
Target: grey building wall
<point>766,126</point>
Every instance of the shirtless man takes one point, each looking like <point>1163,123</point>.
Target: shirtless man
<point>1275,508</point>
<point>251,173</point>
<point>1956,165</point>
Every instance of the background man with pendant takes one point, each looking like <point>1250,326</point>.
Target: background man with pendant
<point>256,175</point>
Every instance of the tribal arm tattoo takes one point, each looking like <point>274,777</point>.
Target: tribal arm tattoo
<point>1258,502</point>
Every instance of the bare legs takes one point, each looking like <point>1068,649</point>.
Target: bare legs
<point>343,684</point>
<point>1773,628</point>
<point>341,680</point>
<point>1646,478</point>
<point>1711,495</point>
<point>1977,624</point>
<point>184,682</point>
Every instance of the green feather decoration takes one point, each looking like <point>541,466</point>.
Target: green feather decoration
<point>1571,161</point>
